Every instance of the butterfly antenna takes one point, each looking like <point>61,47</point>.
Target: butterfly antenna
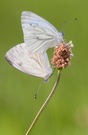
<point>63,26</point>
<point>36,94</point>
<point>72,21</point>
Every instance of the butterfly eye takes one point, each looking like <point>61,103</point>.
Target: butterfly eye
<point>62,34</point>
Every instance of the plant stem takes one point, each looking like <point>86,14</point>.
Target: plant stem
<point>44,104</point>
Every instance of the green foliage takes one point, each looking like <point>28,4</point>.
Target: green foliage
<point>67,113</point>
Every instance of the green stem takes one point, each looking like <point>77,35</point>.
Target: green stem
<point>44,104</point>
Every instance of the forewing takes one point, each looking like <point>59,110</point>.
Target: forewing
<point>39,34</point>
<point>33,64</point>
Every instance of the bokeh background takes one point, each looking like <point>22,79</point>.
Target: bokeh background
<point>67,112</point>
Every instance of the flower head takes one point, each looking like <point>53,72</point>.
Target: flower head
<point>62,55</point>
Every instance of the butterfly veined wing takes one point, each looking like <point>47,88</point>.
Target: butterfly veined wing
<point>33,64</point>
<point>39,34</point>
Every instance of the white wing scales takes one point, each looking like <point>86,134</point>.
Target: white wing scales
<point>32,64</point>
<point>31,57</point>
<point>39,34</point>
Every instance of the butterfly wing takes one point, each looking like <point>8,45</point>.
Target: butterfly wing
<point>39,34</point>
<point>33,64</point>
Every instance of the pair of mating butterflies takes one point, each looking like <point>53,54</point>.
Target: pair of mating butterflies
<point>30,56</point>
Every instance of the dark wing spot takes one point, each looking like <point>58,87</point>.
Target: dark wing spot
<point>10,62</point>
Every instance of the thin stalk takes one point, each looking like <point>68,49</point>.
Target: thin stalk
<point>44,104</point>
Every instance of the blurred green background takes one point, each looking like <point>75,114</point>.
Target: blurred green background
<point>67,113</point>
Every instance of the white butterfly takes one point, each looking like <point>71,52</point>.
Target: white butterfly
<point>33,64</point>
<point>39,34</point>
<point>30,56</point>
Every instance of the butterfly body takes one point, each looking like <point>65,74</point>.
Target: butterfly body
<point>33,64</point>
<point>30,57</point>
<point>40,32</point>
